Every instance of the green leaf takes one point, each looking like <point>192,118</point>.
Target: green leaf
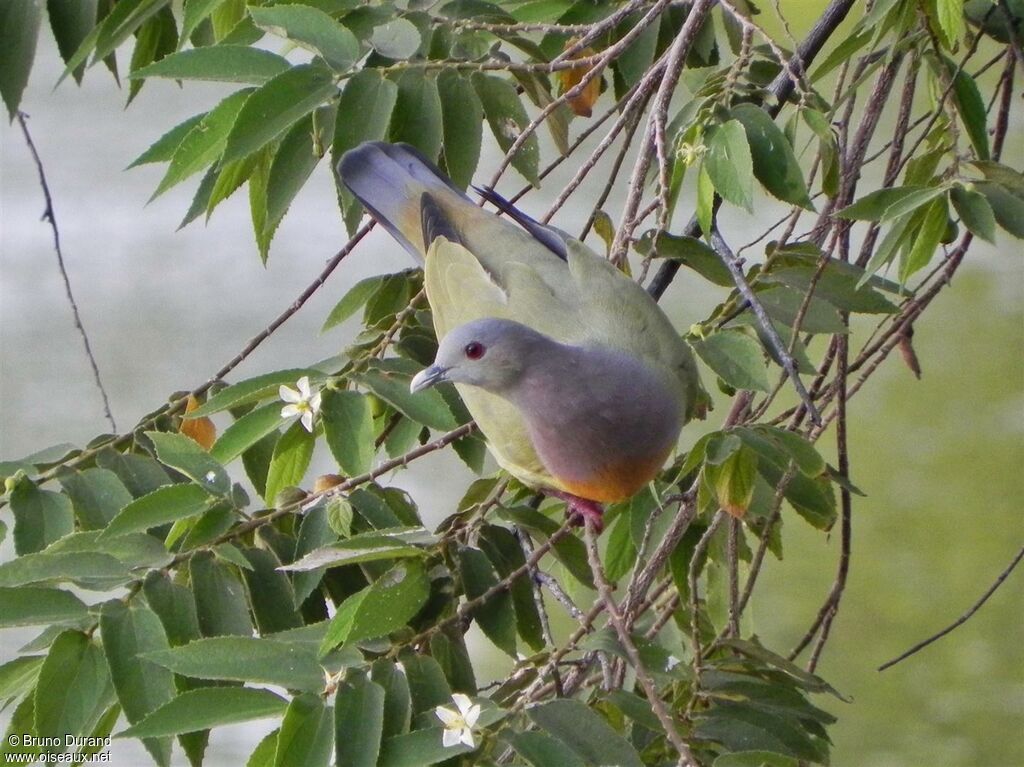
<point>542,750</point>
<point>364,113</point>
<point>128,633</point>
<point>366,547</point>
<point>730,164</point>
<point>462,119</point>
<point>251,390</point>
<point>348,427</point>
<point>969,103</point>
<point>246,432</point>
<point>155,39</point>
<point>358,721</point>
<point>585,732</point>
<point>263,754</point>
<point>705,199</point>
<point>292,165</point>
<point>270,592</point>
<point>315,531</point>
<point>755,759</point>
<point>174,606</point>
<point>221,606</point>
<point>139,473</point>
<point>974,211</point>
<point>187,456</point>
<point>97,496</point>
<point>691,252</point>
<point>1007,207</point>
<point>292,455</point>
<point>71,22</point>
<point>353,300</point>
<point>40,517</point>
<point>506,554</point>
<point>733,481</point>
<point>496,616</point>
<point>205,708</point>
<point>398,39</point>
<point>73,687</point>
<point>620,554</point>
<point>291,665</point>
<point>166,504</point>
<point>735,357</point>
<point>76,566</point>
<point>397,696</point>
<point>775,165</point>
<point>783,305</point>
<point>195,12</point>
<point>808,460</point>
<point>33,606</point>
<point>744,728</point>
<point>219,63</point>
<point>307,735</point>
<point>391,385</point>
<point>204,142</point>
<point>385,605</point>
<point>887,204</point>
<point>948,16</point>
<point>312,29</point>
<point>19,28</point>
<point>416,118</point>
<point>122,22</point>
<point>275,106</point>
<point>569,550</point>
<point>507,117</point>
<point>926,240</point>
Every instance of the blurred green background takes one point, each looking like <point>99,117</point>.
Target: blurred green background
<point>941,459</point>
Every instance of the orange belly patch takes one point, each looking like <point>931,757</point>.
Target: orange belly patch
<point>615,483</point>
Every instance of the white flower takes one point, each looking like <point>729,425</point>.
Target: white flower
<point>458,725</point>
<point>303,402</point>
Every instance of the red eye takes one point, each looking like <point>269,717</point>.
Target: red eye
<point>474,350</point>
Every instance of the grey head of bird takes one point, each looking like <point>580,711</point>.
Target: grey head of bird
<point>489,353</point>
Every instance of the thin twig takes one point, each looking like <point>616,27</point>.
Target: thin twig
<point>50,216</point>
<point>963,618</point>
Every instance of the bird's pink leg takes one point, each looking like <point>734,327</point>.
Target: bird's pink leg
<point>581,510</point>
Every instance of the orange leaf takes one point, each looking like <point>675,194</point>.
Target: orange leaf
<point>201,430</point>
<point>326,482</point>
<point>582,104</point>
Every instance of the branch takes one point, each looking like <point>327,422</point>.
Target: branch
<point>604,589</point>
<point>963,618</point>
<point>50,215</point>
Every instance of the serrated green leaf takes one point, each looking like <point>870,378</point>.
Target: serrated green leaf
<point>71,22</point>
<point>130,631</point>
<point>496,616</point>
<point>73,689</point>
<point>245,659</point>
<point>391,385</point>
<point>585,732</point>
<point>416,118</point>
<point>462,119</point>
<point>205,708</point>
<point>775,165</point>
<point>385,605</point>
<point>270,592</point>
<point>307,734</point>
<point>730,165</point>
<point>277,105</point>
<point>246,432</point>
<point>97,496</point>
<point>312,29</point>
<point>292,165</point>
<point>163,505</point>
<point>32,606</point>
<point>352,301</point>
<point>19,29</point>
<point>974,211</point>
<point>736,357</point>
<point>44,566</point>
<point>204,142</point>
<point>887,204</point>
<point>154,40</point>
<point>187,456</point>
<point>365,547</point>
<point>926,240</point>
<point>123,20</point>
<point>348,428</point>
<point>507,118</point>
<point>1007,207</point>
<point>40,517</point>
<point>291,458</point>
<point>218,63</point>
<point>398,39</point>
<point>251,390</point>
<point>358,721</point>
<point>542,750</point>
<point>221,605</point>
<point>506,554</point>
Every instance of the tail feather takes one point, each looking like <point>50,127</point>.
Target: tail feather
<point>390,180</point>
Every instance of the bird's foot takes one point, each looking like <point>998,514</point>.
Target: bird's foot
<point>581,511</point>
